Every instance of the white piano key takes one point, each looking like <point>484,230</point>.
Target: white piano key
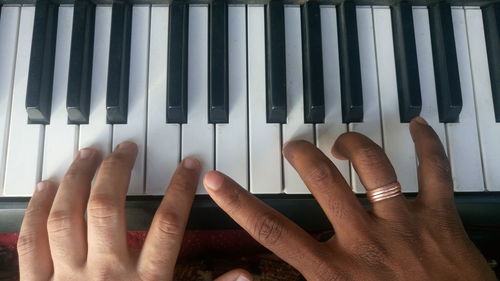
<point>398,144</point>
<point>265,139</point>
<point>61,139</point>
<point>135,129</point>
<point>25,147</point>
<point>231,140</point>
<point>198,134</point>
<point>463,139</point>
<point>295,128</point>
<point>9,25</point>
<point>163,140</point>
<point>371,125</point>
<point>489,130</point>
<point>328,132</point>
<point>426,71</point>
<point>97,133</point>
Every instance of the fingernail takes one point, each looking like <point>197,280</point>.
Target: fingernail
<point>85,153</point>
<point>41,186</point>
<point>420,120</point>
<point>126,145</point>
<point>191,163</point>
<point>242,278</point>
<point>213,180</point>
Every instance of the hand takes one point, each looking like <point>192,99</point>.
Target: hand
<point>57,243</point>
<point>395,240</point>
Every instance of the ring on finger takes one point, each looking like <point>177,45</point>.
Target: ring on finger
<point>384,192</point>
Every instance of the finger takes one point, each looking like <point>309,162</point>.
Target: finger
<point>327,185</point>
<point>106,206</point>
<point>35,262</point>
<point>373,167</point>
<point>66,223</point>
<point>162,245</point>
<point>270,228</point>
<point>434,172</point>
<point>235,275</point>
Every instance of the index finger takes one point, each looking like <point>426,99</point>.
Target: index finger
<point>270,228</point>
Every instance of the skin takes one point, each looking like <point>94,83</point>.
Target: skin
<point>57,243</point>
<point>396,239</point>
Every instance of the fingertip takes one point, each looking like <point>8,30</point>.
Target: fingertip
<point>336,148</point>
<point>127,146</point>
<point>191,163</point>
<point>46,186</point>
<point>419,120</point>
<point>213,180</point>
<point>236,275</point>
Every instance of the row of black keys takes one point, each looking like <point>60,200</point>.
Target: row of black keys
<point>39,92</point>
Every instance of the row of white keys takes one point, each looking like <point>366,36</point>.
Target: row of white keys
<point>231,139</point>
<point>135,129</point>
<point>371,125</point>
<point>295,128</point>
<point>264,138</point>
<point>97,133</point>
<point>489,129</point>
<point>332,128</point>
<point>163,140</point>
<point>398,144</point>
<point>9,25</point>
<point>198,134</point>
<point>463,140</point>
<point>61,139</point>
<point>426,72</point>
<point>24,150</point>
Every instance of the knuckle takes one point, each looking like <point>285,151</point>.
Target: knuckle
<point>59,222</point>
<point>170,224</point>
<point>369,155</point>
<point>441,166</point>
<point>26,243</point>
<point>115,162</point>
<point>336,208</point>
<point>268,229</point>
<point>371,253</point>
<point>320,175</point>
<point>102,210</point>
<point>446,224</point>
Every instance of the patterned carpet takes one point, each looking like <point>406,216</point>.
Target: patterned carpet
<point>204,256</point>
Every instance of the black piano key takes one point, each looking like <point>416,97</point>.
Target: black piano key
<point>218,91</point>
<point>491,21</point>
<point>448,91</point>
<point>350,68</point>
<point>177,63</point>
<point>119,63</point>
<point>405,53</point>
<point>275,62</point>
<point>80,62</point>
<point>41,67</point>
<point>312,63</point>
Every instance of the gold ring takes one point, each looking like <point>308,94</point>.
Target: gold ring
<point>384,192</point>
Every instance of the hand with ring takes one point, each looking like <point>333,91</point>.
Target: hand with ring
<point>396,239</point>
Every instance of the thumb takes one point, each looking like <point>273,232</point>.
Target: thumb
<point>235,275</point>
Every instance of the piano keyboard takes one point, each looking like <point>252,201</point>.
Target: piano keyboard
<point>230,84</point>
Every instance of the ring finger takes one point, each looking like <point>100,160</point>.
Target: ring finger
<point>374,170</point>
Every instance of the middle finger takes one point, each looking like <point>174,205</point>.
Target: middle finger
<point>106,207</point>
<point>327,185</point>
